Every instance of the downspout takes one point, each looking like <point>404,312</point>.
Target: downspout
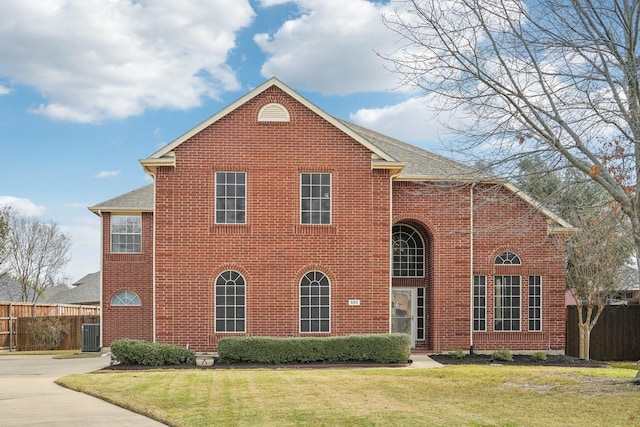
<point>153,255</point>
<point>471,266</point>
<point>101,277</point>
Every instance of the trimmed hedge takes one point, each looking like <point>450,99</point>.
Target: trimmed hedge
<point>378,348</point>
<point>137,352</point>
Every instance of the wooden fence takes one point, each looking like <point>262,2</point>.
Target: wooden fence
<point>616,335</point>
<point>71,340</point>
<point>10,312</point>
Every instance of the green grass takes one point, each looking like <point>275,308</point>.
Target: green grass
<point>449,396</point>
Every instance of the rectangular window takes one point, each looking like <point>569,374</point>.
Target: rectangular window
<point>507,303</point>
<point>479,303</point>
<point>315,201</point>
<point>535,303</point>
<point>420,308</point>
<point>231,198</point>
<point>126,233</point>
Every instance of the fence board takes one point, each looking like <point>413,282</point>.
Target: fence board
<point>11,311</point>
<point>614,337</point>
<point>72,340</point>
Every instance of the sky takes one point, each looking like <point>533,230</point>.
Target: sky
<point>89,87</point>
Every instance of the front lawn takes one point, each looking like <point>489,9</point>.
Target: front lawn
<point>454,395</point>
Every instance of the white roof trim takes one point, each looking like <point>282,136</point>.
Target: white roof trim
<point>255,92</point>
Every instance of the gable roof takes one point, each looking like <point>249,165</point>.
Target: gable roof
<point>139,200</point>
<point>84,291</point>
<point>406,162</point>
<point>166,157</point>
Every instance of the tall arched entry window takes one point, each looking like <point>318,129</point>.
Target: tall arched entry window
<point>409,294</point>
<point>408,252</point>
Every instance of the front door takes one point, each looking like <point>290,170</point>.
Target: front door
<point>403,308</point>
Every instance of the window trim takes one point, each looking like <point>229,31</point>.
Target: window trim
<point>535,307</point>
<point>217,209</point>
<point>510,307</point>
<point>479,303</point>
<point>223,307</point>
<point>311,306</point>
<point>311,199</point>
<point>421,255</point>
<point>507,258</point>
<point>136,302</point>
<point>112,233</point>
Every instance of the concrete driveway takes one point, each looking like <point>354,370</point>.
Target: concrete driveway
<point>29,397</point>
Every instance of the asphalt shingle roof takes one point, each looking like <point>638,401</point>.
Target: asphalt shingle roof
<point>140,199</point>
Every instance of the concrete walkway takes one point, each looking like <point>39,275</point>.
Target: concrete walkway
<point>424,361</point>
<point>29,396</point>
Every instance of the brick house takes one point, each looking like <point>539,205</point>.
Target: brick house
<point>274,218</point>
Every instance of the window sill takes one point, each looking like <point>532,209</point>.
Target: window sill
<point>230,229</point>
<point>316,230</point>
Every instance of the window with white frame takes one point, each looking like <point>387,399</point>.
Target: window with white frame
<point>315,198</point>
<point>231,198</point>
<point>507,303</point>
<point>315,302</point>
<point>479,303</point>
<point>230,308</point>
<point>408,252</point>
<point>126,298</point>
<point>507,258</point>
<point>126,233</point>
<point>535,303</point>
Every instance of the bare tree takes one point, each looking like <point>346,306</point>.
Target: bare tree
<point>556,78</point>
<point>596,256</point>
<point>3,245</point>
<point>37,252</point>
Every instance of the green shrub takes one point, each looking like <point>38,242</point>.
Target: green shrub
<point>502,356</point>
<point>457,354</point>
<point>379,348</point>
<point>539,356</point>
<point>137,352</point>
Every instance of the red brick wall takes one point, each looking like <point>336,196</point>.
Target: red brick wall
<point>132,272</point>
<point>272,251</point>
<point>501,222</point>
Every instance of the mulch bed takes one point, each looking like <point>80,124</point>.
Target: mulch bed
<point>518,359</point>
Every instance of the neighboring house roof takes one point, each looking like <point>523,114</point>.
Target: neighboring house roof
<point>11,291</point>
<point>407,162</point>
<point>139,200</point>
<point>84,291</point>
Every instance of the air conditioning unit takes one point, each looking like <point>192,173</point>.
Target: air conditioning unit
<point>90,337</point>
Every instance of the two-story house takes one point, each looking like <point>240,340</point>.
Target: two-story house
<point>274,218</point>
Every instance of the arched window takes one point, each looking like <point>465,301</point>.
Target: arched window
<point>230,298</point>
<point>126,298</point>
<point>315,302</point>
<point>408,252</point>
<point>507,258</point>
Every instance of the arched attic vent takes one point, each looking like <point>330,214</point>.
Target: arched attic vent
<point>273,112</point>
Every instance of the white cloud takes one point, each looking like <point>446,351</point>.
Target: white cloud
<point>4,90</point>
<point>107,174</point>
<point>95,60</point>
<point>331,47</point>
<point>23,206</point>
<point>415,119</point>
